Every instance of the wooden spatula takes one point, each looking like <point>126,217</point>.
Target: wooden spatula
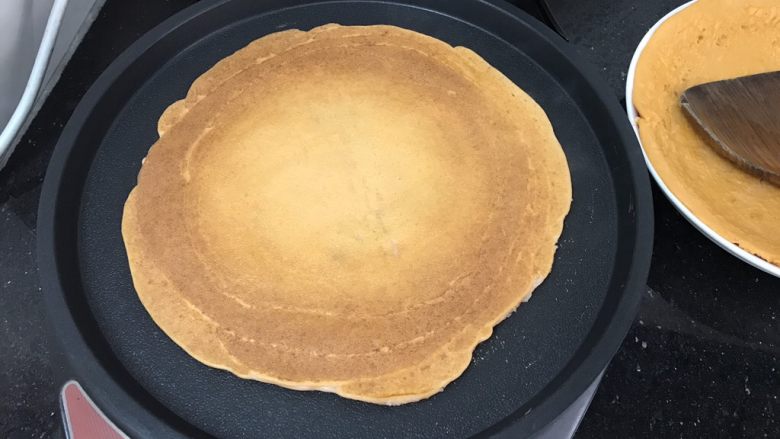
<point>742,117</point>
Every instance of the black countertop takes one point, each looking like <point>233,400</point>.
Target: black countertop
<point>701,359</point>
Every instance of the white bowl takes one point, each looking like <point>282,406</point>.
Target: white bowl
<point>693,219</point>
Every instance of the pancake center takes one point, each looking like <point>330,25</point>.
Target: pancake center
<point>342,182</point>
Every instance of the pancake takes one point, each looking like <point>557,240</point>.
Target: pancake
<point>348,209</point>
<point>708,41</point>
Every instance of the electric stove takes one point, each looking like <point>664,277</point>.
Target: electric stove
<point>704,347</point>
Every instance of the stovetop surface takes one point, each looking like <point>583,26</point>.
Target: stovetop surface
<point>701,359</point>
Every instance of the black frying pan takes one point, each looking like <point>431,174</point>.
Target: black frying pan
<point>537,362</point>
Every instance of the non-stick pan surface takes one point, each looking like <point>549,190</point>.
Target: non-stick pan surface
<point>538,360</point>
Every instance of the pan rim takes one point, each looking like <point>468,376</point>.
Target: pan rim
<point>114,398</point>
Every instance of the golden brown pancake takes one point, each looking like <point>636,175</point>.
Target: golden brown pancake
<point>349,209</point>
<point>708,41</point>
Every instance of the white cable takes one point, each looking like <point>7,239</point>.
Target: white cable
<point>36,79</point>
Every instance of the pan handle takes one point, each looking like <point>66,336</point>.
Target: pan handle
<point>82,418</point>
<point>550,19</point>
